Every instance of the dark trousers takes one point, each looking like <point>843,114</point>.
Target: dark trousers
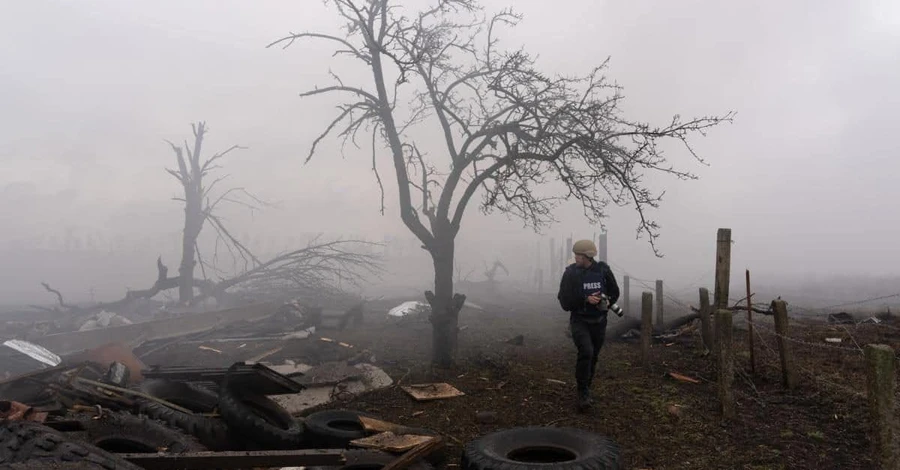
<point>588,338</point>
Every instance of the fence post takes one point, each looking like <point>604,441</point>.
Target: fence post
<point>725,359</point>
<point>788,378</point>
<point>552,258</point>
<point>646,326</point>
<point>659,304</point>
<point>705,331</point>
<point>626,294</point>
<point>602,253</point>
<point>723,268</point>
<point>880,387</point>
<point>750,326</point>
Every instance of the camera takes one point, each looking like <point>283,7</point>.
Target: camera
<point>613,307</point>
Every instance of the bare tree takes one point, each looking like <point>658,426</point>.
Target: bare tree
<point>199,205</point>
<point>507,128</point>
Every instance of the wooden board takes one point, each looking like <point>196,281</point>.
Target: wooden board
<point>390,442</point>
<point>433,391</point>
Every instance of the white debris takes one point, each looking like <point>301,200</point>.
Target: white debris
<point>104,319</point>
<point>472,305</point>
<point>38,353</point>
<point>371,378</point>
<point>832,340</point>
<point>302,334</point>
<point>411,307</point>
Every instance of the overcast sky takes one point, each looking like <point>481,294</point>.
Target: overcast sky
<point>806,176</point>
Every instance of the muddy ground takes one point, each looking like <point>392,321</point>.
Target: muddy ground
<point>659,422</point>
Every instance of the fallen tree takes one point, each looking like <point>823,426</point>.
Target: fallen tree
<point>323,268</point>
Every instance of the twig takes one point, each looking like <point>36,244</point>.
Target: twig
<point>758,398</point>
<point>557,421</point>
<point>401,378</point>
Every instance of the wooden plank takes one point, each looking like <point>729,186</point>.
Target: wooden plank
<point>390,442</point>
<point>432,391</point>
<point>238,459</point>
<point>417,453</point>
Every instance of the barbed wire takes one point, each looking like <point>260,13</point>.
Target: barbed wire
<point>821,310</point>
<point>761,326</point>
<point>815,376</point>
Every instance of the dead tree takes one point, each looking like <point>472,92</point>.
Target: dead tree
<point>507,128</point>
<point>199,205</point>
<point>491,272</point>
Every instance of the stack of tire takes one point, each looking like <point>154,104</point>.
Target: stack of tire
<point>249,421</point>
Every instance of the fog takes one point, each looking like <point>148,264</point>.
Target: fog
<point>805,176</point>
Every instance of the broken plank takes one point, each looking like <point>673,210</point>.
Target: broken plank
<point>434,391</point>
<point>683,378</point>
<point>390,442</point>
<point>420,451</point>
<point>231,459</point>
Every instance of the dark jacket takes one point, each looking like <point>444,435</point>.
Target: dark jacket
<point>571,293</point>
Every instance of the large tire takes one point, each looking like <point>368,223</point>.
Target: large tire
<point>541,447</point>
<point>183,394</point>
<point>32,444</point>
<point>259,419</point>
<point>211,432</point>
<point>123,433</point>
<point>334,428</point>
<point>371,460</point>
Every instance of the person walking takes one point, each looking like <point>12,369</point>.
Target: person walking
<point>581,291</point>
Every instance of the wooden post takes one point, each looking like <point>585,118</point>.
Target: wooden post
<point>723,268</point>
<point>725,350</point>
<point>626,294</point>
<point>540,274</point>
<point>646,327</point>
<point>750,326</point>
<point>659,304</point>
<point>567,252</point>
<point>705,331</point>
<point>602,253</point>
<point>552,258</point>
<point>788,377</point>
<point>880,383</point>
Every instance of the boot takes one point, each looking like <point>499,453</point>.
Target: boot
<point>585,403</point>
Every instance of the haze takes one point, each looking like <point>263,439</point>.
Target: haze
<point>806,176</point>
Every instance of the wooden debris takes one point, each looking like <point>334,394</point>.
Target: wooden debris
<point>390,442</point>
<point>377,425</point>
<point>265,354</point>
<point>207,348</point>
<point>433,391</point>
<point>418,413</point>
<point>417,453</point>
<point>554,381</point>
<point>683,378</point>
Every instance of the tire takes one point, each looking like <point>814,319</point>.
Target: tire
<point>211,432</point>
<point>122,433</point>
<point>260,419</point>
<point>334,428</point>
<point>371,460</point>
<point>186,395</point>
<point>37,446</point>
<point>541,447</point>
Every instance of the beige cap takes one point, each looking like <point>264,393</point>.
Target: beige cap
<point>585,247</point>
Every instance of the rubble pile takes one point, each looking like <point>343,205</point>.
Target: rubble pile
<point>103,408</point>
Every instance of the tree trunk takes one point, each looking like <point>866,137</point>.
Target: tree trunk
<point>445,306</point>
<point>193,223</point>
